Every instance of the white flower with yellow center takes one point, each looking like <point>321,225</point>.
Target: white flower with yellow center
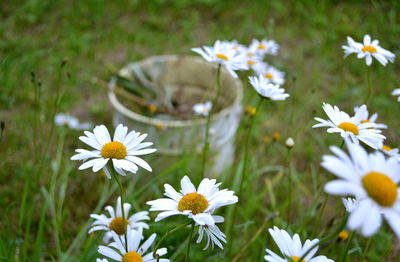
<point>368,50</point>
<point>115,222</point>
<point>198,205</point>
<point>396,92</point>
<point>213,234</point>
<point>122,150</point>
<point>135,253</point>
<point>202,109</point>
<point>372,180</point>
<point>223,54</point>
<point>272,74</point>
<point>291,247</point>
<point>341,122</point>
<point>62,119</point>
<point>266,89</point>
<point>264,47</point>
<point>392,152</point>
<point>364,115</point>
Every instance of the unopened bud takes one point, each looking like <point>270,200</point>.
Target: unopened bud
<point>289,142</point>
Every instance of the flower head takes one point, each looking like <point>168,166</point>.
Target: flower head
<point>291,247</point>
<point>135,253</point>
<point>367,50</point>
<point>353,127</point>
<point>271,74</point>
<point>70,121</point>
<point>202,109</point>
<point>122,150</point>
<point>115,222</point>
<point>391,152</point>
<point>363,113</point>
<point>372,179</point>
<point>396,92</point>
<point>264,47</point>
<point>212,233</point>
<point>198,205</point>
<point>224,54</point>
<point>267,90</point>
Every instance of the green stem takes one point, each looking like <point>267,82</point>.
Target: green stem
<point>369,92</point>
<point>347,246</point>
<point>367,247</point>
<point>214,102</point>
<point>124,218</point>
<point>189,242</point>
<point>165,235</point>
<point>321,211</point>
<point>289,160</point>
<point>246,148</point>
<point>342,144</point>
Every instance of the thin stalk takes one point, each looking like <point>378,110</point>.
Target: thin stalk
<point>165,235</point>
<point>342,144</point>
<point>367,247</point>
<point>321,212</point>
<point>289,164</point>
<point>369,92</point>
<point>347,246</point>
<point>189,242</point>
<point>121,190</point>
<point>214,102</point>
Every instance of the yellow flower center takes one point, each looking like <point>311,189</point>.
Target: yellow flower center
<point>261,46</point>
<point>194,202</point>
<point>250,110</point>
<point>347,126</point>
<point>386,148</point>
<point>250,54</point>
<point>114,149</point>
<point>369,48</point>
<point>297,259</point>
<point>222,56</point>
<point>132,257</point>
<point>268,75</point>
<point>343,235</point>
<point>276,136</point>
<point>251,62</point>
<point>152,108</point>
<point>118,226</point>
<point>381,188</point>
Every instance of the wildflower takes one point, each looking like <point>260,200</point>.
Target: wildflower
<point>343,235</point>
<point>161,127</point>
<point>363,113</point>
<point>195,204</point>
<point>202,109</point>
<point>341,122</point>
<point>272,74</point>
<point>392,152</point>
<point>115,222</point>
<point>267,90</point>
<point>291,247</point>
<point>152,108</point>
<point>264,47</point>
<point>250,110</point>
<point>212,233</point>
<point>223,54</point>
<point>266,139</point>
<point>123,150</point>
<point>396,92</point>
<point>276,136</point>
<point>368,50</point>
<point>372,180</point>
<point>70,121</point>
<point>289,142</point>
<point>116,250</point>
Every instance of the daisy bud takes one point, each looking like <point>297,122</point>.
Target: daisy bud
<point>289,143</point>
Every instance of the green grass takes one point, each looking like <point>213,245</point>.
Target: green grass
<point>46,201</point>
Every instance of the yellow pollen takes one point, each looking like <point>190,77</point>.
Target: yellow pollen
<point>381,188</point>
<point>369,48</point>
<point>114,149</point>
<point>118,226</point>
<point>251,62</point>
<point>347,126</point>
<point>194,202</point>
<point>386,148</point>
<point>132,257</point>
<point>250,110</point>
<point>261,46</point>
<point>296,259</point>
<point>222,56</point>
<point>268,75</point>
<point>343,235</point>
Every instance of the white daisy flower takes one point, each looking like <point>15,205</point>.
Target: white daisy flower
<point>213,234</point>
<point>396,92</point>
<point>341,122</point>
<point>115,222</point>
<point>223,54</point>
<point>122,150</point>
<point>291,247</point>
<point>368,50</point>
<point>372,180</point>
<point>272,74</point>
<point>391,152</point>
<point>364,115</point>
<point>264,47</point>
<point>62,119</point>
<point>266,89</point>
<point>116,250</point>
<point>196,204</point>
<point>202,109</point>
<point>350,203</point>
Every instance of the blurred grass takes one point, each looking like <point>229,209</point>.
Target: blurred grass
<point>37,35</point>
